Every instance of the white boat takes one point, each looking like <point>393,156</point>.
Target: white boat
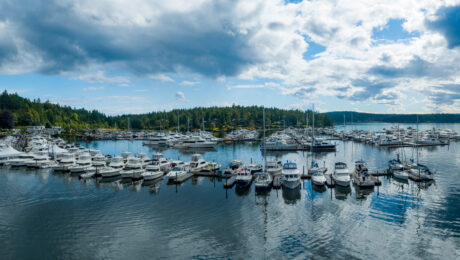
<point>255,167</point>
<point>99,161</point>
<point>178,172</point>
<point>117,162</point>
<point>145,160</point>
<point>197,163</point>
<point>274,168</point>
<point>152,172</point>
<point>401,174</point>
<point>41,161</point>
<point>318,178</point>
<point>21,160</point>
<point>243,176</point>
<point>133,169</point>
<point>84,164</point>
<point>291,175</point>
<point>67,161</point>
<point>341,175</point>
<point>163,163</point>
<point>421,172</point>
<point>263,181</point>
<point>108,172</point>
<point>361,175</point>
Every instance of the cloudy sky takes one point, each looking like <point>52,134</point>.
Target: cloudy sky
<point>142,55</point>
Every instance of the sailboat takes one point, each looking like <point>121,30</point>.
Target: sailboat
<point>264,180</point>
<point>418,171</point>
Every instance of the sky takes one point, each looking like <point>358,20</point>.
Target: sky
<point>140,56</point>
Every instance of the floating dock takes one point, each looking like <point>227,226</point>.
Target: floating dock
<point>183,178</point>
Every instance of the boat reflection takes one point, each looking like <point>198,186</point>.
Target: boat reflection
<point>318,188</point>
<point>291,196</point>
<point>153,185</point>
<point>242,191</point>
<point>341,193</point>
<point>362,192</point>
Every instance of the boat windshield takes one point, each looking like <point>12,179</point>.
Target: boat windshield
<point>177,169</point>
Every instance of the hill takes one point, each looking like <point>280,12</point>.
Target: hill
<point>358,117</point>
<point>16,111</point>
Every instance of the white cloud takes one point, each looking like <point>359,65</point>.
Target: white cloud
<point>188,83</point>
<point>100,77</point>
<point>161,77</point>
<point>93,88</point>
<point>181,96</point>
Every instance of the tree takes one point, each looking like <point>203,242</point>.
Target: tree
<point>6,119</point>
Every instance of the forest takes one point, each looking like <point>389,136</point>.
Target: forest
<point>357,117</point>
<point>16,111</point>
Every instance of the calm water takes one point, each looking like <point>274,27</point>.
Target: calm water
<point>48,215</point>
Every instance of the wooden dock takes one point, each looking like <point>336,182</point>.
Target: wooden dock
<point>183,178</point>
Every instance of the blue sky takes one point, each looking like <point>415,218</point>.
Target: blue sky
<point>120,57</point>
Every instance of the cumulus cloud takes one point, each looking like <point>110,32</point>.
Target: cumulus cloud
<point>188,83</point>
<point>181,96</point>
<point>93,88</point>
<point>259,40</point>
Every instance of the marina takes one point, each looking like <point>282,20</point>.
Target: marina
<point>393,205</point>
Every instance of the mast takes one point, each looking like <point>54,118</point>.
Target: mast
<point>177,121</point>
<point>343,133</point>
<point>265,161</point>
<point>416,150</point>
<point>313,126</point>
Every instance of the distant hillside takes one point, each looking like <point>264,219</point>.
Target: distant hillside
<point>337,117</point>
<point>16,111</point>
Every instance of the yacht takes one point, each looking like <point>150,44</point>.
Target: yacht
<point>163,163</point>
<point>41,161</point>
<point>178,172</point>
<point>145,160</point>
<point>212,167</point>
<point>318,178</point>
<point>67,160</point>
<point>21,160</point>
<point>84,164</point>
<point>108,172</point>
<point>361,175</point>
<point>255,167</point>
<point>234,165</point>
<point>117,162</point>
<point>99,160</point>
<point>422,172</point>
<point>291,175</point>
<point>401,174</point>
<point>126,155</point>
<point>197,163</point>
<point>263,181</point>
<point>274,168</point>
<point>133,169</point>
<point>243,176</point>
<point>152,172</point>
<point>341,175</point>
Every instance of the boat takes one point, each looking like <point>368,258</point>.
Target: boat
<point>117,162</point>
<point>291,175</point>
<point>401,174</point>
<point>274,168</point>
<point>341,175</point>
<point>178,172</point>
<point>318,178</point>
<point>67,160</point>
<point>108,172</point>
<point>212,167</point>
<point>263,181</point>
<point>145,160</point>
<point>234,165</point>
<point>99,161</point>
<point>255,168</point>
<point>243,177</point>
<point>83,164</point>
<point>133,169</point>
<point>152,172</point>
<point>421,172</point>
<point>197,163</point>
<point>361,176</point>
<point>163,163</point>
<point>21,160</point>
<point>41,161</point>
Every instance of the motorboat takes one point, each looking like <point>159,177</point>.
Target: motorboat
<point>401,174</point>
<point>243,176</point>
<point>152,172</point>
<point>361,176</point>
<point>341,175</point>
<point>273,168</point>
<point>263,181</point>
<point>163,163</point>
<point>318,178</point>
<point>255,168</point>
<point>421,172</point>
<point>99,161</point>
<point>108,172</point>
<point>21,160</point>
<point>212,167</point>
<point>178,172</point>
<point>233,167</point>
<point>133,169</point>
<point>67,160</point>
<point>197,163</point>
<point>83,164</point>
<point>315,168</point>
<point>41,161</point>
<point>117,162</point>
<point>145,160</point>
<point>291,175</point>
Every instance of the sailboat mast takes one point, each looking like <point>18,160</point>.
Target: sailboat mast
<point>178,121</point>
<point>313,126</point>
<point>265,161</point>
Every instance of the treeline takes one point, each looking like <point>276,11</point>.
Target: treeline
<point>24,112</point>
<point>357,117</point>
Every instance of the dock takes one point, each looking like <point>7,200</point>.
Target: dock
<point>183,178</point>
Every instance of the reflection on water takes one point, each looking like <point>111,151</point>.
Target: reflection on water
<point>55,215</point>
